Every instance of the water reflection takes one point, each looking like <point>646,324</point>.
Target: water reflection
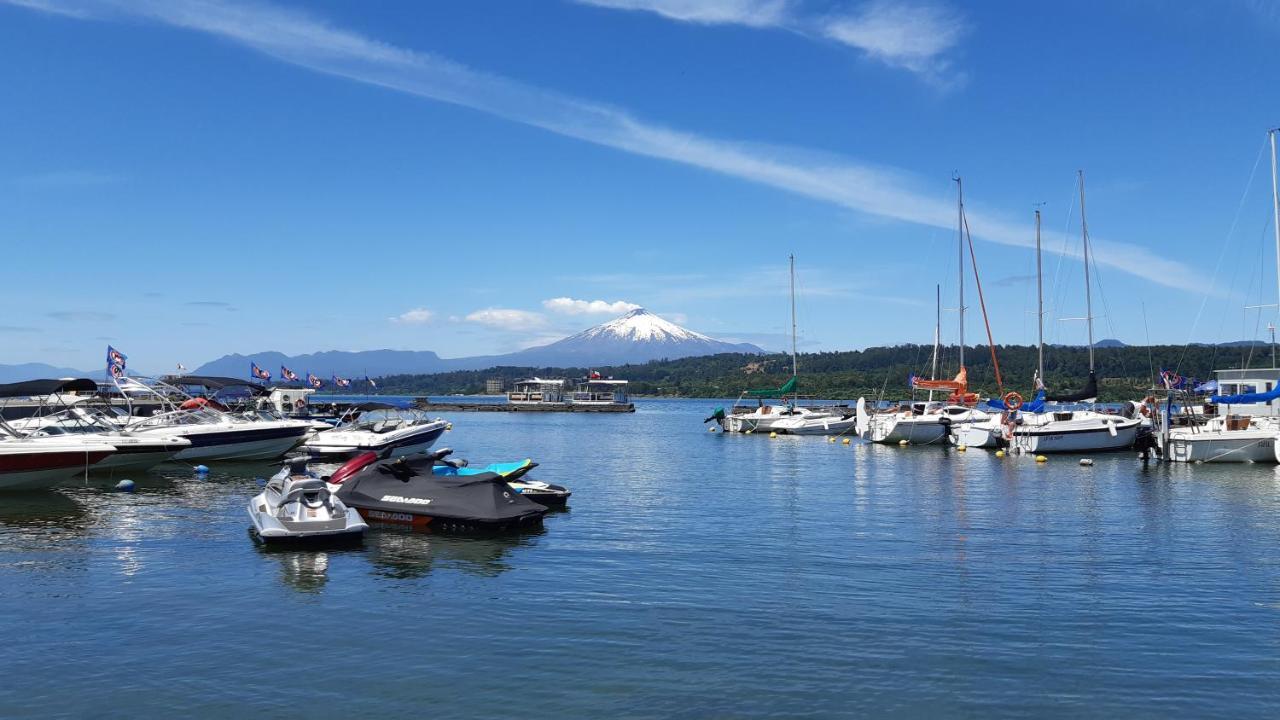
<point>406,554</point>
<point>41,511</point>
<point>306,571</point>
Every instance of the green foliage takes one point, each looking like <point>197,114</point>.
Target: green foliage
<point>1123,372</point>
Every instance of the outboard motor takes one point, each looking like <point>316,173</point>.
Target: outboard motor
<point>1146,443</point>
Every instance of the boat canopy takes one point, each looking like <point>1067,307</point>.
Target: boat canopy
<point>215,383</point>
<point>30,388</point>
<point>1246,398</point>
<point>366,406</point>
<point>1034,405</point>
<point>1088,392</point>
<point>787,388</point>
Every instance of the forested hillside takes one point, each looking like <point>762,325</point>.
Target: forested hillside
<point>1123,372</point>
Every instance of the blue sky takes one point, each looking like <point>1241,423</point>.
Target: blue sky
<point>187,179</point>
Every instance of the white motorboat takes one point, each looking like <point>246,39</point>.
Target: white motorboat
<point>217,436</point>
<point>134,452</point>
<point>214,433</point>
<point>1224,439</point>
<point>69,407</point>
<point>40,463</point>
<point>385,429</point>
<point>918,424</point>
<point>298,507</point>
<point>816,422</point>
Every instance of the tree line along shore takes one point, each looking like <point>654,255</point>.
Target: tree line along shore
<point>1124,372</point>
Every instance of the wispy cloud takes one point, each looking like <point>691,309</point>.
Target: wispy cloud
<point>208,303</point>
<point>17,329</point>
<point>64,178</point>
<point>416,316</point>
<point>754,13</point>
<point>571,306</point>
<point>914,35</point>
<point>81,316</point>
<point>296,38</point>
<point>507,319</point>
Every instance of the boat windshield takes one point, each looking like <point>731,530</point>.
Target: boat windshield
<point>385,420</point>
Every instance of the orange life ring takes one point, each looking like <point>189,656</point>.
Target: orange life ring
<point>1012,400</point>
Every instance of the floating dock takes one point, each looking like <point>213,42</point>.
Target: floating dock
<point>424,404</point>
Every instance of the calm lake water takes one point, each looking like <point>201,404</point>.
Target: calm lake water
<point>695,575</point>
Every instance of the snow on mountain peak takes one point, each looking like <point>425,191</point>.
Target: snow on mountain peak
<point>640,325</point>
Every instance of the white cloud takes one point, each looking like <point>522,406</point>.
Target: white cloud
<point>755,13</point>
<point>507,319</point>
<point>296,38</point>
<point>913,35</point>
<point>570,306</point>
<point>416,316</point>
<point>910,35</point>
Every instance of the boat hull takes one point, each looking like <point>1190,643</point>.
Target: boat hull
<point>1224,447</point>
<point>38,471</point>
<point>252,444</point>
<point>1098,439</point>
<point>911,430</point>
<point>343,446</point>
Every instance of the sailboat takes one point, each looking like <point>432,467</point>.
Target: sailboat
<point>1241,424</point>
<point>787,418</point>
<point>1075,430</point>
<point>997,430</point>
<point>927,423</point>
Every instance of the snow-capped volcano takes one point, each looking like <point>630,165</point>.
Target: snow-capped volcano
<point>639,336</point>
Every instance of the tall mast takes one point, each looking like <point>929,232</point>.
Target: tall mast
<point>960,268</point>
<point>794,371</point>
<point>937,331</point>
<point>1088,288</point>
<point>1275,206</point>
<point>937,334</point>
<point>1039,305</point>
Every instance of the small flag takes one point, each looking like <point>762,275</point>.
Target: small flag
<point>182,368</point>
<point>341,382</point>
<point>314,381</point>
<point>115,362</point>
<point>1171,379</point>
<point>258,373</point>
<point>372,384</point>
<point>288,374</point>
<point>595,375</point>
<point>911,380</point>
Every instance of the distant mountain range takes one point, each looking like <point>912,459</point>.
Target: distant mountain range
<point>33,371</point>
<point>637,337</point>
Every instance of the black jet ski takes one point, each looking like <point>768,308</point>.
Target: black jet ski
<point>543,493</point>
<point>406,491</point>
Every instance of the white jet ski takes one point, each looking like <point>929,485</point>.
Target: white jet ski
<point>297,507</point>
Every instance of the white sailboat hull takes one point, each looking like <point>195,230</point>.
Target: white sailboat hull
<point>1076,436</point>
<point>1238,446</point>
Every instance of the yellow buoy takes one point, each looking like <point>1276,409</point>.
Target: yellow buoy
<point>846,441</point>
<point>449,426</point>
<point>999,453</point>
<point>902,442</point>
<point>773,435</point>
<point>961,448</point>
<point>1041,459</point>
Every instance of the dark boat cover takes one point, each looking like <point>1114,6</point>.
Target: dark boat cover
<point>28,388</point>
<point>215,383</point>
<point>409,487</point>
<point>1088,392</point>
